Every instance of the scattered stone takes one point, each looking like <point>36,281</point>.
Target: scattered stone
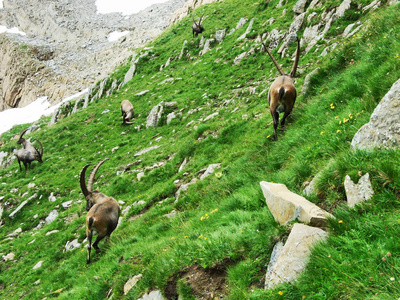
<point>360,192</point>
<point>172,214</point>
<point>292,258</point>
<point>241,22</point>
<point>15,233</point>
<point>210,116</point>
<point>66,204</point>
<point>373,5</point>
<point>210,169</point>
<point>155,115</point>
<point>154,295</point>
<point>142,93</point>
<point>12,215</point>
<point>243,36</point>
<point>126,209</point>
<point>166,81</point>
<point>170,117</point>
<point>52,231</point>
<point>52,216</point>
<point>105,111</point>
<point>31,185</point>
<point>69,246</point>
<point>184,163</point>
<point>146,150</point>
<point>300,6</point>
<point>287,206</point>
<point>183,48</point>
<point>131,283</point>
<point>38,265</point>
<point>207,46</point>
<point>9,256</point>
<point>52,198</point>
<point>383,128</point>
<point>140,175</point>
<point>220,35</point>
<point>183,188</point>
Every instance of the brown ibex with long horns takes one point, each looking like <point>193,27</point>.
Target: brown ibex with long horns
<point>197,27</point>
<point>29,153</point>
<point>103,211</point>
<point>282,93</point>
<point>127,112</point>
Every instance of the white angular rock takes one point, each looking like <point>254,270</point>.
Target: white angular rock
<point>9,256</point>
<point>220,35</point>
<point>38,265</point>
<point>131,283</point>
<point>12,215</point>
<point>207,46</point>
<point>72,245</point>
<point>210,170</point>
<point>241,22</point>
<point>52,216</point>
<point>154,295</point>
<point>154,115</point>
<point>360,192</point>
<point>292,258</point>
<point>243,36</point>
<point>146,150</point>
<point>383,128</point>
<point>52,198</point>
<point>300,6</point>
<point>67,204</point>
<point>287,206</point>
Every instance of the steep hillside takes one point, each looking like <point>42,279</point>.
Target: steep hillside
<point>183,233</point>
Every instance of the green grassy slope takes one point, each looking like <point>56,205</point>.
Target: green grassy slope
<point>222,223</point>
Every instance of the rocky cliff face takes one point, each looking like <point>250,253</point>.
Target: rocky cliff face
<point>67,45</point>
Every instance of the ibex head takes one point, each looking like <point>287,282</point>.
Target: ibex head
<point>21,140</point>
<point>92,197</point>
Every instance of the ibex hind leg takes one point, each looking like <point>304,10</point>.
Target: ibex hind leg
<point>96,242</point>
<point>285,115</point>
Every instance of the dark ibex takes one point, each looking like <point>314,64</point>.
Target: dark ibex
<point>103,211</point>
<point>29,153</point>
<point>282,93</point>
<point>197,27</point>
<point>127,112</point>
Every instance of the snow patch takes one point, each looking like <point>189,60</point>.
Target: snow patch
<point>115,35</point>
<point>31,113</point>
<point>13,30</point>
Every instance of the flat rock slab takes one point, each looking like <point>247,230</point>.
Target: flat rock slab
<point>287,206</point>
<point>291,259</point>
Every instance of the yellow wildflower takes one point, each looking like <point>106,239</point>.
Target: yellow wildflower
<point>351,116</point>
<point>340,221</point>
<point>321,133</point>
<point>186,236</point>
<point>337,117</point>
<point>280,293</point>
<point>345,120</point>
<point>337,131</point>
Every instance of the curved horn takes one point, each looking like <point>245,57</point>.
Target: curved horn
<point>82,181</point>
<point>21,135</point>
<point>194,21</point>
<point>201,18</point>
<point>296,60</point>
<point>41,149</point>
<point>93,174</point>
<point>274,60</point>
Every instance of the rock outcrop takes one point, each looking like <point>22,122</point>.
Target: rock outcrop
<point>68,46</point>
<point>360,192</point>
<point>291,259</point>
<point>383,128</point>
<point>287,206</point>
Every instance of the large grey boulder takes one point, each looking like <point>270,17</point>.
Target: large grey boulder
<point>154,115</point>
<point>287,206</point>
<point>383,128</point>
<point>291,259</point>
<point>360,192</point>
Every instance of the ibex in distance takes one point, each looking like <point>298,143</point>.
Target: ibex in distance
<point>29,153</point>
<point>282,93</point>
<point>197,27</point>
<point>127,112</point>
<point>103,211</point>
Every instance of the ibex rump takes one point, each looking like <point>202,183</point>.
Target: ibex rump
<point>282,93</point>
<point>127,112</point>
<point>103,211</point>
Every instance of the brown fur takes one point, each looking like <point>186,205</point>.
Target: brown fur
<point>282,93</point>
<point>127,112</point>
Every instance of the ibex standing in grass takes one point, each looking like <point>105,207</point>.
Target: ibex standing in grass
<point>282,93</point>
<point>29,153</point>
<point>197,27</point>
<point>103,211</point>
<point>127,112</point>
